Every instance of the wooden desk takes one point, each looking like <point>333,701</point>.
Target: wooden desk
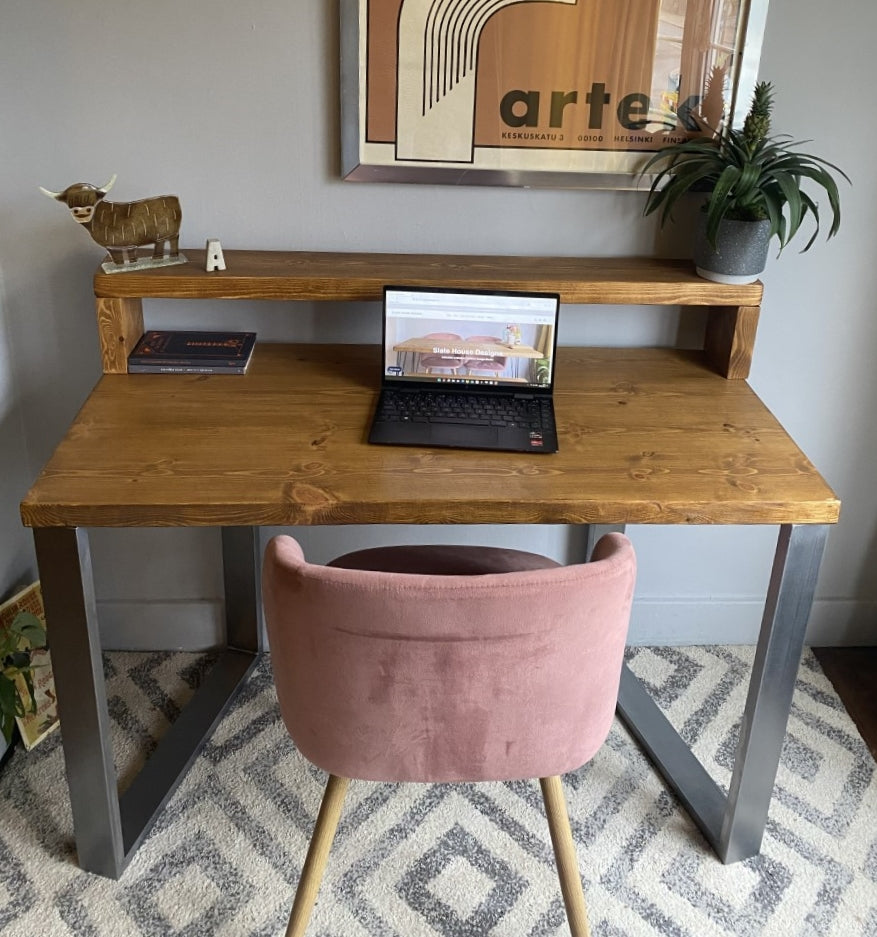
<point>647,436</point>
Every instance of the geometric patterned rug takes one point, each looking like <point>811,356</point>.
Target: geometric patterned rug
<point>453,860</point>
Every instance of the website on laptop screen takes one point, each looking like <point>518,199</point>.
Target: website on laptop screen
<point>448,337</point>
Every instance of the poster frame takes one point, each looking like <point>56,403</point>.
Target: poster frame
<point>359,165</point>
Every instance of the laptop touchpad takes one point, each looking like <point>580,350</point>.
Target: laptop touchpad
<point>472,437</point>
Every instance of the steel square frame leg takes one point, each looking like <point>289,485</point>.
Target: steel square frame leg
<point>734,823</point>
<point>109,828</point>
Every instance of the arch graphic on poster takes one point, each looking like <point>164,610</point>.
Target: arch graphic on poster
<point>437,64</point>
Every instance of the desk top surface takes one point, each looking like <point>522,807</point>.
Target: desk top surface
<point>315,275</point>
<point>646,436</point>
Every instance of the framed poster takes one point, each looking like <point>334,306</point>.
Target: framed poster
<point>537,92</point>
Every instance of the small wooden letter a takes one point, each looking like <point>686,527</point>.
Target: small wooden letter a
<point>215,260</point>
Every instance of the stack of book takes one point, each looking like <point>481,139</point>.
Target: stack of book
<point>180,352</point>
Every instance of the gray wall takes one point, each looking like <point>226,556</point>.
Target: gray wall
<point>16,564</point>
<point>233,107</point>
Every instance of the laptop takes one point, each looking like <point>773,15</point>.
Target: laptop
<point>468,369</point>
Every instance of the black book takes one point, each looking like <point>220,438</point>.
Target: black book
<point>185,352</point>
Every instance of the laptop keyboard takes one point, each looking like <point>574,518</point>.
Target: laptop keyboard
<point>472,409</point>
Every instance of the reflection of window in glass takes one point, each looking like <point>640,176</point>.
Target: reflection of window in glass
<point>694,38</point>
<point>668,57</point>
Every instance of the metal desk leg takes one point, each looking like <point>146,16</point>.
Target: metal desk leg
<point>593,532</point>
<point>64,561</point>
<point>108,828</point>
<point>734,825</point>
<point>242,574</point>
<point>780,645</point>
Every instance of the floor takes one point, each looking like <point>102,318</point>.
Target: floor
<point>464,859</point>
<point>853,672</point>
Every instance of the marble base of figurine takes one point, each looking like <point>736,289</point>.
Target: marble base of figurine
<point>143,263</point>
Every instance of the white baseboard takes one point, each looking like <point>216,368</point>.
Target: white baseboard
<point>833,622</point>
<point>184,625</point>
<point>198,624</point>
<point>658,622</point>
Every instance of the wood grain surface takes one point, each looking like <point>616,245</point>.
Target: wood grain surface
<point>119,327</point>
<point>310,275</point>
<point>646,436</point>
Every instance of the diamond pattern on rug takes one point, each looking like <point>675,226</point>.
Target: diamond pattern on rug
<point>461,887</point>
<point>452,860</point>
<point>198,868</point>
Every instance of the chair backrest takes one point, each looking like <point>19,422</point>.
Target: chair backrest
<point>487,339</point>
<point>437,359</point>
<point>412,677</point>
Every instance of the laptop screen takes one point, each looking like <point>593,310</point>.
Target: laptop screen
<point>494,339</point>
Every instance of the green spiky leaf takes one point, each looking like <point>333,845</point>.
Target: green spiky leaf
<point>747,174</point>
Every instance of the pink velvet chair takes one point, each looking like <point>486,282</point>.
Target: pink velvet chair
<point>493,364</point>
<point>437,663</point>
<point>431,362</point>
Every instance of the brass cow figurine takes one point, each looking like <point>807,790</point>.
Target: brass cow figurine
<point>122,227</point>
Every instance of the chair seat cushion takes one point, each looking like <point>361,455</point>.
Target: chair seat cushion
<point>443,560</point>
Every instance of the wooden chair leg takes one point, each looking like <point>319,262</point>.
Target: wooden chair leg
<point>565,854</point>
<point>318,854</point>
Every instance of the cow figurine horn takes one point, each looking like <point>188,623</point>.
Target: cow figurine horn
<point>103,190</point>
<point>106,188</point>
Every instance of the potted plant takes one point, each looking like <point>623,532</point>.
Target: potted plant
<point>753,187</point>
<point>542,370</point>
<point>25,632</point>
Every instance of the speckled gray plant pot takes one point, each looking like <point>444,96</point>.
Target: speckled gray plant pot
<point>741,250</point>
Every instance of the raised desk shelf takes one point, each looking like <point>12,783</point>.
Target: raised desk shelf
<point>732,311</point>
